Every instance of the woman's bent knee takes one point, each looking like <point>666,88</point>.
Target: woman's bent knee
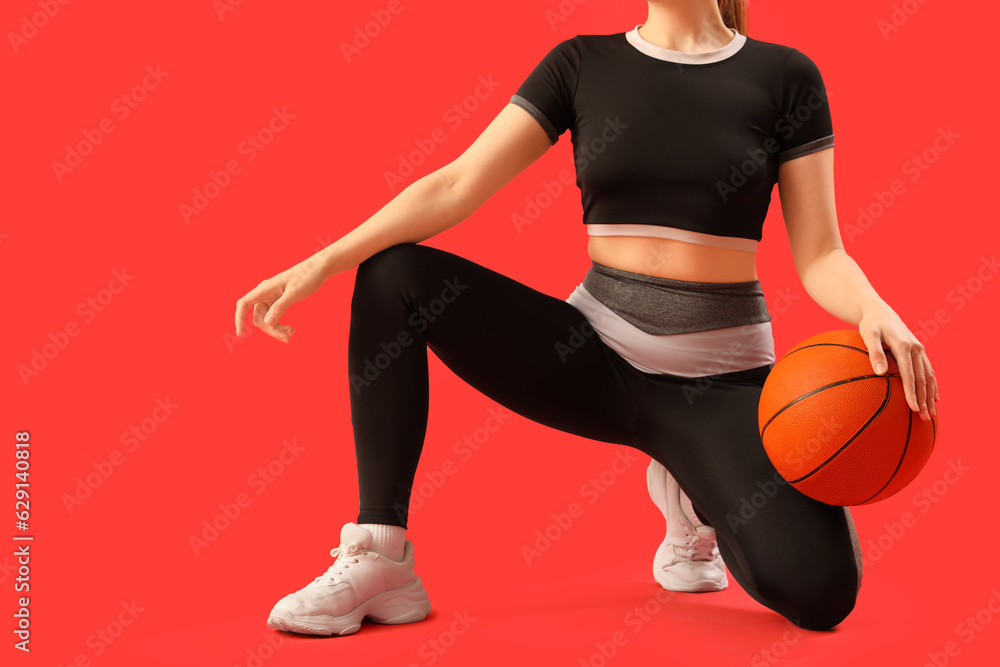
<point>387,262</point>
<point>820,601</point>
<point>823,619</point>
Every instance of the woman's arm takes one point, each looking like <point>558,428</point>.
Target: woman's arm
<point>425,208</point>
<point>835,281</point>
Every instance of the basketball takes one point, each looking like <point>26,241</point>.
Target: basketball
<point>837,431</point>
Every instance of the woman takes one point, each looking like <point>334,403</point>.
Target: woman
<point>680,129</point>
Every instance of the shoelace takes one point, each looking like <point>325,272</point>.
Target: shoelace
<point>697,548</point>
<point>344,557</point>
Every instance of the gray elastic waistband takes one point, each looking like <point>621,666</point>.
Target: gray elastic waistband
<point>667,306</point>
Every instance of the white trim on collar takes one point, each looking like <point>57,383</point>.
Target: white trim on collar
<point>686,57</point>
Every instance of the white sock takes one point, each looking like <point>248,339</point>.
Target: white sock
<point>387,540</point>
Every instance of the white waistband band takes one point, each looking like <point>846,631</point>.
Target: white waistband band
<point>674,233</point>
<point>687,354</point>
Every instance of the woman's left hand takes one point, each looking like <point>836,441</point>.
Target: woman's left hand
<point>880,324</point>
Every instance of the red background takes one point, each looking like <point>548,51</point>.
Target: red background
<point>169,334</point>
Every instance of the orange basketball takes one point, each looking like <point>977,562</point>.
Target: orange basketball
<point>834,429</point>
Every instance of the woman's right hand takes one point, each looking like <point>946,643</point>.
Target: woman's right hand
<point>272,297</point>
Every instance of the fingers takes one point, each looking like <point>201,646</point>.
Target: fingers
<point>279,331</point>
<point>932,394</point>
<point>910,357</point>
<point>260,298</point>
<point>277,309</point>
<point>873,341</point>
<point>919,378</point>
<point>273,314</point>
<point>925,383</point>
<point>915,372</point>
<point>249,299</point>
<point>905,362</point>
<point>933,378</point>
<point>242,306</point>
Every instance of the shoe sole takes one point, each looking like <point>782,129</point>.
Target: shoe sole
<point>408,604</point>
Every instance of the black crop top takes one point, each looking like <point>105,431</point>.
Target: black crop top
<point>678,140</point>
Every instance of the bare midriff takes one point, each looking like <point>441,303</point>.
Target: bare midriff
<point>669,258</point>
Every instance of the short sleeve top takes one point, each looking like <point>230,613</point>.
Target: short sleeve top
<point>691,141</point>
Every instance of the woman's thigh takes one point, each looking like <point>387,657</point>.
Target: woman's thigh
<point>533,353</point>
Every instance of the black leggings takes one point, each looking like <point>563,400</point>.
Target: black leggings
<point>539,356</point>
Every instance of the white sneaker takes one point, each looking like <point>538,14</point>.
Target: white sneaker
<point>360,584</point>
<point>688,560</point>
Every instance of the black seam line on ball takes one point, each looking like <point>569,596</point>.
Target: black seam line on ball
<point>885,401</point>
<point>906,445</point>
<point>823,388</point>
<point>849,347</point>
